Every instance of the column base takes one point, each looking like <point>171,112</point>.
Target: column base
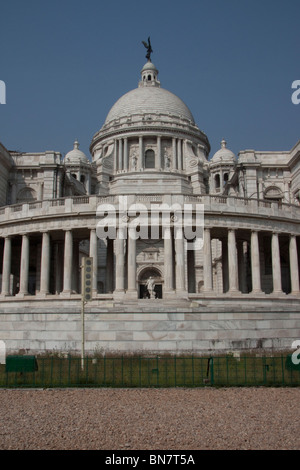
<point>234,292</point>
<point>118,295</point>
<point>4,295</point>
<point>131,294</point>
<point>21,295</point>
<point>181,294</point>
<point>169,294</point>
<point>65,293</point>
<point>257,292</point>
<point>41,295</point>
<point>277,293</point>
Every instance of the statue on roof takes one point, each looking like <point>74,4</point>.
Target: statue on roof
<point>149,49</point>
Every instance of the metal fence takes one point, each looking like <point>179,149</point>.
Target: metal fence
<point>139,371</point>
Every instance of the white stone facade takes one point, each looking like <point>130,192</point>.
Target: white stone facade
<point>238,289</point>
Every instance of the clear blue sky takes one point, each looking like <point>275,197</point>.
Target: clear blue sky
<point>66,62</point>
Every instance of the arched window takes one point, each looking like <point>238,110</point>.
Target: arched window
<point>273,194</point>
<point>150,159</point>
<point>26,195</point>
<point>225,178</point>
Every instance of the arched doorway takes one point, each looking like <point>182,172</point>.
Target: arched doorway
<point>144,275</point>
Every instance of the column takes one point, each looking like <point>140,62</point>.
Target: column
<point>242,265</point>
<point>225,275</point>
<point>294,268</point>
<point>120,165</point>
<point>24,269</point>
<point>276,268</point>
<point>6,267</point>
<point>174,147</point>
<point>255,263</point>
<point>45,264</point>
<point>207,262</point>
<point>179,155</point>
<point>126,154</point>
<point>232,262</point>
<point>168,260</point>
<point>94,255</point>
<point>141,153</point>
<point>131,265</point>
<point>158,162</point>
<point>180,267</point>
<point>76,285</point>
<point>109,266</point>
<point>68,262</point>
<point>116,155</point>
<point>58,256</point>
<point>120,260</point>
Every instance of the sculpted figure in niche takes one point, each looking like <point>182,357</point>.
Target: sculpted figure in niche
<point>133,162</point>
<point>150,287</point>
<point>167,161</point>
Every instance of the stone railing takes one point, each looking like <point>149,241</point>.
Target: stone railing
<point>89,204</point>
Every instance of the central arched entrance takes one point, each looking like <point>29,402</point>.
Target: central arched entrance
<point>144,275</point>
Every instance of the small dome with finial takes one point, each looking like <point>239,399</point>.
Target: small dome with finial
<point>224,154</point>
<point>149,75</point>
<point>75,156</point>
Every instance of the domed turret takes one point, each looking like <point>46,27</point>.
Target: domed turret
<point>224,155</point>
<point>222,167</point>
<point>149,75</point>
<point>75,156</point>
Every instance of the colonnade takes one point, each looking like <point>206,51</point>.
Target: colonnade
<point>121,262</point>
<point>45,264</point>
<point>233,263</point>
<point>122,149</point>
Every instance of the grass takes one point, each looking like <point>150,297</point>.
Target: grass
<point>164,371</point>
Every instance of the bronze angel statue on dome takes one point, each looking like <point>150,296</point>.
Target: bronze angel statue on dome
<point>149,49</point>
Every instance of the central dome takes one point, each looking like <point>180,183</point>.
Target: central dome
<point>139,117</point>
<point>148,100</point>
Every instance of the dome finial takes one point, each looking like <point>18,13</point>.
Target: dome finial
<point>149,49</point>
<point>223,143</point>
<point>76,144</point>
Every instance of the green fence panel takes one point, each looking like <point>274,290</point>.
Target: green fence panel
<point>21,364</point>
<point>140,371</point>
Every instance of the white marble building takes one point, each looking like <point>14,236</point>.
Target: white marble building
<point>239,290</point>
